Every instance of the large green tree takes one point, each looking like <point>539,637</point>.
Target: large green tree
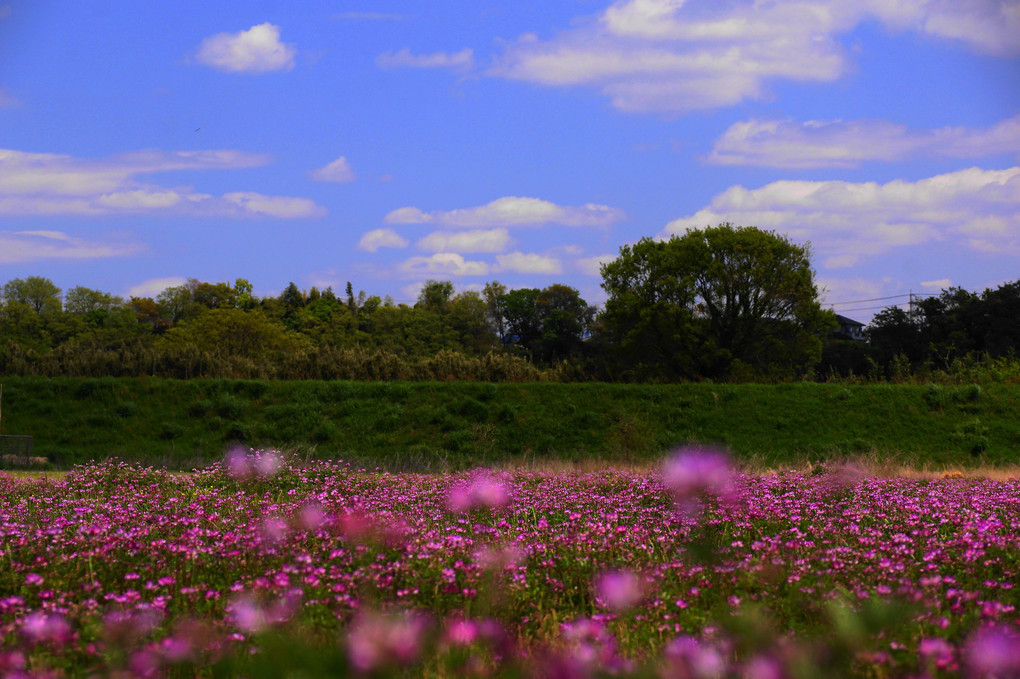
<point>716,301</point>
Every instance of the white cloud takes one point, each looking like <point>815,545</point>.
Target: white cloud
<point>256,50</point>
<point>30,246</point>
<point>511,211</point>
<point>284,207</point>
<point>940,284</point>
<point>459,61</point>
<point>445,264</point>
<point>592,266</point>
<point>338,171</point>
<point>154,286</point>
<point>785,143</point>
<point>381,238</point>
<point>675,56</point>
<point>845,221</point>
<point>489,240</point>
<point>520,262</point>
<point>53,184</point>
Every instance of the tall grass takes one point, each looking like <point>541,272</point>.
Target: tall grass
<point>428,426</point>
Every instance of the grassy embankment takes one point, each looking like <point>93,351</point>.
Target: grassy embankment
<point>435,426</point>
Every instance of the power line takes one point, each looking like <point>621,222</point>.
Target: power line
<point>870,308</point>
<point>873,299</point>
<point>879,299</point>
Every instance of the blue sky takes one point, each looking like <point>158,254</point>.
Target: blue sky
<point>388,143</point>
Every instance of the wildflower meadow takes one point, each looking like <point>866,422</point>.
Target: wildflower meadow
<point>262,567</point>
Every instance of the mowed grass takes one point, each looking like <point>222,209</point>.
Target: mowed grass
<point>437,427</point>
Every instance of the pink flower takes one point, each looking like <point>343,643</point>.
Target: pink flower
<point>620,590</point>
<point>34,579</point>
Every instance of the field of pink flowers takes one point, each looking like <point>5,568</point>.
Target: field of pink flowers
<point>257,567</point>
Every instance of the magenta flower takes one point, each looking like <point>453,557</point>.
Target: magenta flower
<point>34,579</point>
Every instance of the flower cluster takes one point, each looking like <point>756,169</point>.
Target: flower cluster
<point>132,571</point>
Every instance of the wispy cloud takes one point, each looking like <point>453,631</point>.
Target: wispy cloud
<point>338,171</point>
<point>789,144</point>
<point>459,61</point>
<point>154,286</point>
<point>511,211</point>
<point>30,246</point>
<point>846,221</point>
<point>53,184</point>
<point>257,50</point>
<point>670,56</point>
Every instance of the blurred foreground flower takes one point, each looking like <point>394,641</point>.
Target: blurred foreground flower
<point>993,653</point>
<point>483,491</point>
<point>691,473</point>
<point>41,627</point>
<point>377,641</point>
<point>243,465</point>
<point>619,590</point>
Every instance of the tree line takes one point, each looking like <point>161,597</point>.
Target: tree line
<point>721,303</point>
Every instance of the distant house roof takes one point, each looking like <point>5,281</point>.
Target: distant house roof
<point>848,329</point>
<point>844,321</point>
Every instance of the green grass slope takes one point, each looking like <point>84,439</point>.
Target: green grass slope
<point>434,426</point>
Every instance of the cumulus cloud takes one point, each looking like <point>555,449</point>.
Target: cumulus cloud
<point>520,262</point>
<point>154,286</point>
<point>592,266</point>
<point>674,56</point>
<point>338,171</point>
<point>511,211</point>
<point>381,238</point>
<point>458,61</point>
<point>444,264</point>
<point>257,50</point>
<point>481,240</point>
<point>785,143</point>
<point>53,184</point>
<point>845,221</point>
<point>30,246</point>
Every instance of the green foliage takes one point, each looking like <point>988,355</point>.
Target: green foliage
<point>719,302</point>
<point>467,424</point>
